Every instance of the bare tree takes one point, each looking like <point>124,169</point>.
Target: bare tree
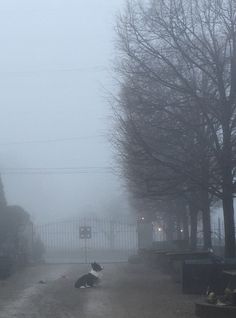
<point>145,134</point>
<point>188,50</point>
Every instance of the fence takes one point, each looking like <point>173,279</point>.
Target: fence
<point>217,233</point>
<point>108,239</point>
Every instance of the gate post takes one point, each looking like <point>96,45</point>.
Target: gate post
<point>145,234</point>
<point>112,235</point>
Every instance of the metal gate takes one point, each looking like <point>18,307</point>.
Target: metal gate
<point>89,239</point>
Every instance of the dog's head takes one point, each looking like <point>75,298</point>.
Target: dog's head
<point>96,267</point>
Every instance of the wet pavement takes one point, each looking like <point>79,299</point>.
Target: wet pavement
<point>126,291</point>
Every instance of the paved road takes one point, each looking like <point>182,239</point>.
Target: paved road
<point>127,291</point>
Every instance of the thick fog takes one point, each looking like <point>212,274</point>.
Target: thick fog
<point>55,62</point>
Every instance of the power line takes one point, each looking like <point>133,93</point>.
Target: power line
<point>45,141</point>
<point>58,171</point>
<point>54,172</point>
<point>57,168</point>
<point>56,70</point>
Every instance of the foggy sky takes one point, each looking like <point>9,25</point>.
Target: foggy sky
<point>55,59</point>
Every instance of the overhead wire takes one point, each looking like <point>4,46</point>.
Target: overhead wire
<point>59,170</point>
<point>97,68</point>
<point>45,141</point>
<point>54,170</point>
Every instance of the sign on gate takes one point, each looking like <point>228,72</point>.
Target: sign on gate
<point>85,232</point>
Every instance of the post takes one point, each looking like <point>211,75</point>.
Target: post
<point>219,232</point>
<point>145,234</point>
<point>85,232</point>
<point>112,238</point>
<point>85,250</point>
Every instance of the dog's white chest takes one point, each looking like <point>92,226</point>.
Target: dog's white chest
<point>96,274</point>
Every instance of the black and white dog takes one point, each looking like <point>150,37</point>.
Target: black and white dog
<point>92,278</point>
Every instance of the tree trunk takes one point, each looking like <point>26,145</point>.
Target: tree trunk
<point>228,210</point>
<point>185,227</point>
<point>185,221</point>
<point>206,220</point>
<point>169,227</point>
<point>193,224</point>
<point>227,187</point>
<point>178,227</point>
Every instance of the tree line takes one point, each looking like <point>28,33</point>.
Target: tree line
<point>176,110</point>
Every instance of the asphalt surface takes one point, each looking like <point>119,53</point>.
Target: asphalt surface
<point>126,291</point>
